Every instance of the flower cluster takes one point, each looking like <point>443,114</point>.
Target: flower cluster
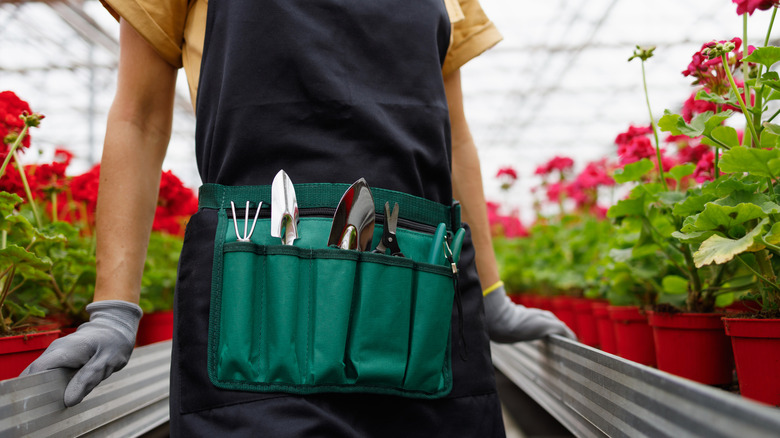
<point>561,164</point>
<point>507,176</point>
<point>11,123</point>
<point>175,204</point>
<point>74,199</point>
<point>707,67</point>
<point>750,6</point>
<point>504,225</point>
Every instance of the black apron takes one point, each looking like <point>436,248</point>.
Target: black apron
<point>329,91</point>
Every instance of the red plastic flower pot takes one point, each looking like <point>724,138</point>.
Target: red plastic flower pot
<point>544,303</point>
<point>19,351</point>
<point>563,308</point>
<point>694,346</point>
<point>756,345</point>
<point>604,326</point>
<point>155,327</point>
<point>585,322</point>
<point>633,335</point>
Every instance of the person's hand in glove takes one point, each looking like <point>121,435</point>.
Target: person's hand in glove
<point>509,322</point>
<point>97,349</point>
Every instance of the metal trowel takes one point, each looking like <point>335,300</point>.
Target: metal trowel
<point>284,209</point>
<point>353,222</point>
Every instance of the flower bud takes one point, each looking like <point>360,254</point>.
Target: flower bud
<point>32,120</point>
<point>643,53</point>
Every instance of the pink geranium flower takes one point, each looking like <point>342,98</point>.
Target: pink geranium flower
<point>750,6</point>
<point>635,150</point>
<point>633,131</point>
<point>507,176</point>
<point>560,164</point>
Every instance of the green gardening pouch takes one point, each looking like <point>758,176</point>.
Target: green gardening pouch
<point>309,319</point>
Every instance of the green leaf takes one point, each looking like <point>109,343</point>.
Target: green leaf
<point>693,204</point>
<point>627,207</point>
<point>738,197</point>
<point>773,236</point>
<point>674,284</point>
<point>726,135</point>
<point>758,162</point>
<point>681,171</point>
<point>768,140</point>
<point>719,250</point>
<point>766,56</point>
<point>724,217</point>
<point>693,237</point>
<point>771,127</point>
<point>8,201</point>
<point>633,172</point>
<point>724,300</point>
<point>725,186</point>
<point>671,122</point>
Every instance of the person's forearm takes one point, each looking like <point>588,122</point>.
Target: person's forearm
<point>467,183</point>
<point>467,188</point>
<point>137,135</point>
<point>129,185</point>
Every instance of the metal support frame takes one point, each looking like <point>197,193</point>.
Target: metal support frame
<point>130,403</point>
<point>596,394</point>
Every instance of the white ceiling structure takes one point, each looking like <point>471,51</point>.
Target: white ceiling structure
<point>559,83</point>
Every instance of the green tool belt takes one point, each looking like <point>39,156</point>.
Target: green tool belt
<point>308,318</point>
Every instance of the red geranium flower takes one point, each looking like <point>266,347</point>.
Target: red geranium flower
<point>561,164</point>
<point>633,131</point>
<point>11,107</point>
<point>750,6</point>
<point>635,150</point>
<point>507,176</point>
<point>705,168</point>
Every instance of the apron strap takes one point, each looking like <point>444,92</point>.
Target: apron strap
<point>328,195</point>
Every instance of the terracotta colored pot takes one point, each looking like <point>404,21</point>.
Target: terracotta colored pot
<point>155,327</point>
<point>756,345</point>
<point>694,346</point>
<point>585,322</point>
<point>605,327</point>
<point>563,308</point>
<point>19,351</point>
<point>633,336</point>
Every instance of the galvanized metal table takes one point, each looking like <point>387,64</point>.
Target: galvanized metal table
<point>130,403</point>
<point>596,394</point>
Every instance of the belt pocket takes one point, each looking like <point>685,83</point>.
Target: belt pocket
<point>312,320</point>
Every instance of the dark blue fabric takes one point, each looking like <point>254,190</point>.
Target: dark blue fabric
<point>329,91</point>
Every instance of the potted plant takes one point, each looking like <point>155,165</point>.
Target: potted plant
<point>21,309</point>
<point>734,225</point>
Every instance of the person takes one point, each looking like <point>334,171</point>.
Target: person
<point>330,91</point>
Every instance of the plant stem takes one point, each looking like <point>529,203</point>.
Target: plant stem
<point>14,146</point>
<point>54,206</point>
<point>758,274</point>
<point>27,189</point>
<point>744,64</point>
<point>768,31</point>
<point>695,295</point>
<point>655,130</point>
<point>739,98</point>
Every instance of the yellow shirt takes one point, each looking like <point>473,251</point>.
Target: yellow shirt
<point>177,28</point>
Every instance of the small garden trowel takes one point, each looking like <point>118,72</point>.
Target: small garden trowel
<point>353,222</point>
<point>284,209</point>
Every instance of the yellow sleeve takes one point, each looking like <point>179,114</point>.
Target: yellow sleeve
<point>159,22</point>
<point>471,35</point>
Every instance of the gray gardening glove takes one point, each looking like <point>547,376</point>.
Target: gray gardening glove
<point>509,322</point>
<point>97,349</point>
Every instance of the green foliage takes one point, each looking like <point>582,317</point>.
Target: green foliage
<point>759,162</point>
<point>159,279</point>
<point>634,171</point>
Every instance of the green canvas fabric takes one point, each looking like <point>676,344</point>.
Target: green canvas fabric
<point>307,318</point>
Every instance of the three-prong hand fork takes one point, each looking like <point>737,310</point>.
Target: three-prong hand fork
<point>246,236</point>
